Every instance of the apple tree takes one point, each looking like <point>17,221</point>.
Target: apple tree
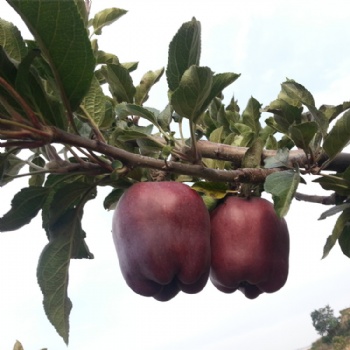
<point>72,119</point>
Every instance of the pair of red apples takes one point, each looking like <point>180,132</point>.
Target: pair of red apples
<point>167,241</point>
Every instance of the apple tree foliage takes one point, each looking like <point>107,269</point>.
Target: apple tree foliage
<point>72,119</point>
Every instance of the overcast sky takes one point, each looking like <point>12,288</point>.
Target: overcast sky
<point>265,41</point>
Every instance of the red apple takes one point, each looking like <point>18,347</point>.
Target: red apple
<point>249,247</point>
<point>161,232</point>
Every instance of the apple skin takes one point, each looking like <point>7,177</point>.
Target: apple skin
<point>161,232</point>
<point>249,247</point>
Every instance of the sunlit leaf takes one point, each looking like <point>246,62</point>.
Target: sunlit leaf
<point>217,190</point>
<point>106,17</point>
<point>146,83</point>
<point>11,40</point>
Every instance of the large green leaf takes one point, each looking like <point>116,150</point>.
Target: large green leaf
<point>194,88</point>
<point>12,41</point>
<point>184,51</point>
<point>59,30</point>
<point>25,206</point>
<point>282,185</point>
<point>338,137</point>
<point>53,269</point>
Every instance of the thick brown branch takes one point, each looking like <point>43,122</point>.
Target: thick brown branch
<point>136,160</point>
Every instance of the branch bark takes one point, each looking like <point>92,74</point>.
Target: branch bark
<point>206,149</point>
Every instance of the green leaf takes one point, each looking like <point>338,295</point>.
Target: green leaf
<point>344,240</point>
<point>120,82</point>
<point>65,196</point>
<point>302,134</point>
<point>106,17</point>
<point>25,206</point>
<point>334,210</point>
<point>340,224</point>
<point>12,41</point>
<point>94,103</point>
<point>220,82</point>
<point>297,92</point>
<point>184,51</point>
<point>146,83</point>
<point>332,112</point>
<point>282,185</point>
<point>251,115</point>
<point>338,137</point>
<point>10,165</point>
<point>279,160</point>
<point>59,30</point>
<point>217,190</point>
<point>194,88</point>
<point>252,157</point>
<point>164,118</point>
<point>39,178</point>
<point>336,183</point>
<point>53,266</point>
<point>112,198</point>
<point>297,95</point>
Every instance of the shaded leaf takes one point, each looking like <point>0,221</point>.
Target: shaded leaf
<point>334,210</point>
<point>252,157</point>
<point>25,205</point>
<point>94,103</point>
<point>338,137</point>
<point>334,183</point>
<point>112,198</point>
<point>120,82</point>
<point>64,42</point>
<point>53,268</point>
<point>10,165</point>
<point>282,185</point>
<point>278,160</point>
<point>302,134</point>
<point>251,115</point>
<point>344,240</point>
<point>184,51</point>
<point>192,92</point>
<point>340,224</point>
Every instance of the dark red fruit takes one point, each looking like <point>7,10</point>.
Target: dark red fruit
<point>161,232</point>
<point>250,247</point>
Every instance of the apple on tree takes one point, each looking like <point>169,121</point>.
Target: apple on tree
<point>249,247</point>
<point>161,232</point>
